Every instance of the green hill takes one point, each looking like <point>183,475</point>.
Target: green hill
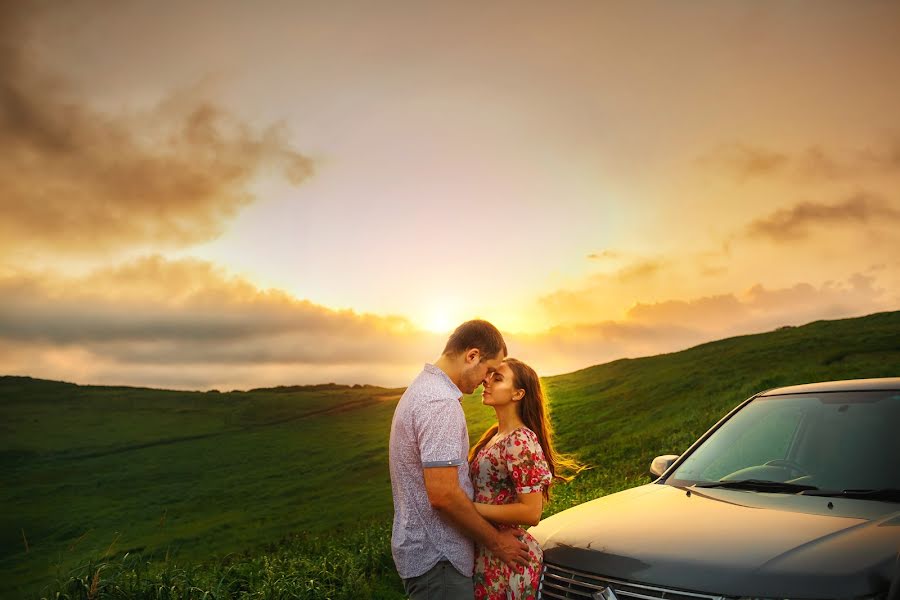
<point>177,478</point>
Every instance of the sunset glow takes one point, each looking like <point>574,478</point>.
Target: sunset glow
<point>313,192</point>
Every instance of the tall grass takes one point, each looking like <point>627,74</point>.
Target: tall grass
<point>344,565</point>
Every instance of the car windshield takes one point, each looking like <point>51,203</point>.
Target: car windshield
<point>830,441</point>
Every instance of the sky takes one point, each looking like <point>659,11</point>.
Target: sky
<point>231,195</point>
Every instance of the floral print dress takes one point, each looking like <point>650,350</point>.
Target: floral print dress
<point>514,465</point>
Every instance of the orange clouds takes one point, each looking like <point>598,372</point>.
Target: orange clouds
<point>746,161</point>
<point>73,178</point>
<point>795,222</point>
<point>670,325</point>
<point>189,322</point>
<point>760,308</point>
<point>603,294</point>
<point>605,255</point>
<point>863,179</point>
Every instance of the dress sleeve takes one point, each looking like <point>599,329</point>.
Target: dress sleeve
<point>525,462</point>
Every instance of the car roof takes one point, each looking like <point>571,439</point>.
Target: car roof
<point>847,385</point>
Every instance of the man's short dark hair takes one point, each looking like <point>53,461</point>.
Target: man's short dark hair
<point>476,334</point>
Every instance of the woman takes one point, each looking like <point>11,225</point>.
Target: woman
<point>512,467</point>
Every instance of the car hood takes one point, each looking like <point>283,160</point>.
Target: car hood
<point>730,542</point>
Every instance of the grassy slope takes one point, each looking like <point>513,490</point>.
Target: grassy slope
<point>618,416</point>
<point>251,467</point>
<point>91,469</point>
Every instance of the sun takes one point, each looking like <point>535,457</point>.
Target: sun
<point>442,317</point>
<point>439,322</point>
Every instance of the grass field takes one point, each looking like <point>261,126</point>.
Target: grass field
<point>285,492</point>
<point>92,470</point>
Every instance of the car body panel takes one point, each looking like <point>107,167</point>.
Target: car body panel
<point>727,539</point>
<point>734,542</point>
<point>848,385</point>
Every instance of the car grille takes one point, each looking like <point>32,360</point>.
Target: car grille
<point>560,582</point>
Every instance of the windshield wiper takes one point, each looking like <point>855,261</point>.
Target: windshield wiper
<point>888,494</point>
<point>758,485</point>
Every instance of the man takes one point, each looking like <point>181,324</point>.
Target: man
<point>435,522</point>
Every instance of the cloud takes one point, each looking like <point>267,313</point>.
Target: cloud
<point>619,275</point>
<point>795,223</point>
<point>706,312</point>
<point>567,348</point>
<point>605,255</point>
<point>886,157</point>
<point>73,178</point>
<point>671,325</point>
<point>571,305</point>
<point>761,308</point>
<point>747,161</point>
<point>188,321</point>
<point>188,324</point>
<point>639,270</point>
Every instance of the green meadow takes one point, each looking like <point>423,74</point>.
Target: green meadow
<point>117,492</point>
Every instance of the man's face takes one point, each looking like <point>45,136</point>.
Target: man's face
<point>478,369</point>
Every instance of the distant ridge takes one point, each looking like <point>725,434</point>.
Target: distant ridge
<point>886,316</point>
<point>11,380</point>
<point>318,387</point>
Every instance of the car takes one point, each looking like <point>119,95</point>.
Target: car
<point>793,494</point>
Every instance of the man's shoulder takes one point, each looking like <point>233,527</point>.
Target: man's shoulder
<point>430,388</point>
<point>430,403</point>
<point>421,399</point>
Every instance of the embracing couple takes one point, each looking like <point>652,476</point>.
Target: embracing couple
<point>458,513</point>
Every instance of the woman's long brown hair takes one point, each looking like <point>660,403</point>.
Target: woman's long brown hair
<point>533,412</point>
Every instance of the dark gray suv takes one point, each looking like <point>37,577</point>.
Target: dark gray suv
<point>794,494</point>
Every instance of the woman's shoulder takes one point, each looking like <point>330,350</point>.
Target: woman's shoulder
<point>522,435</point>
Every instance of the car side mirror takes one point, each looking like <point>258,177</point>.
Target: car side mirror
<point>661,464</point>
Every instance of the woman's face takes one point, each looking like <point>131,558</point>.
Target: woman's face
<point>500,388</point>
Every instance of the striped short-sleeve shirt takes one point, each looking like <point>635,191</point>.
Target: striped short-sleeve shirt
<point>428,430</point>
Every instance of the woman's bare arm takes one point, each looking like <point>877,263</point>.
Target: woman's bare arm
<point>526,510</point>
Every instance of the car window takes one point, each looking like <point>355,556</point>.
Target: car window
<point>764,433</point>
<point>766,439</point>
<point>853,446</point>
<point>838,441</point>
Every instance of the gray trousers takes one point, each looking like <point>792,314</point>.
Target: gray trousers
<point>441,582</point>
